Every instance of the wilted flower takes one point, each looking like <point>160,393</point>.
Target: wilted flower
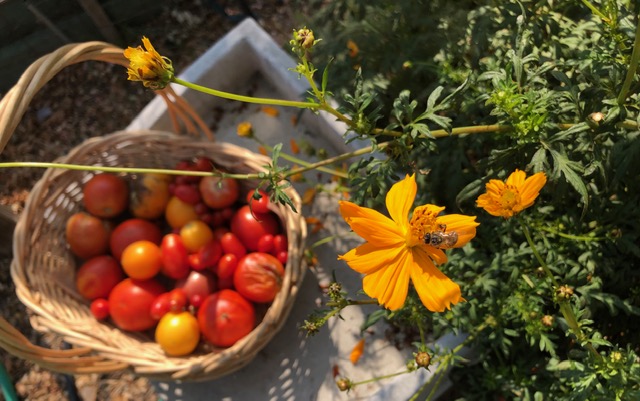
<point>512,196</point>
<point>353,48</point>
<point>148,66</point>
<point>399,250</point>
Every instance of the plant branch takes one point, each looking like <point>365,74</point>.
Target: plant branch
<point>633,66</point>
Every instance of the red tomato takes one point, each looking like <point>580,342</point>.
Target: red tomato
<point>130,303</point>
<point>227,265</point>
<point>175,257</point>
<point>231,244</point>
<point>87,235</point>
<point>178,300</point>
<point>160,306</point>
<point>280,243</point>
<point>225,317</point>
<point>250,227</point>
<point>130,231</point>
<point>260,205</point>
<point>265,243</point>
<point>105,195</point>
<point>207,256</point>
<point>187,193</point>
<point>258,277</point>
<point>197,286</point>
<point>97,277</point>
<point>100,308</point>
<point>218,193</point>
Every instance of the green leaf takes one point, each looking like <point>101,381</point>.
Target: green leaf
<point>570,169</point>
<point>373,318</point>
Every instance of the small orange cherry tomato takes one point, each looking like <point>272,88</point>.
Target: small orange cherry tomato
<point>179,213</point>
<point>178,333</point>
<point>195,234</point>
<point>141,260</point>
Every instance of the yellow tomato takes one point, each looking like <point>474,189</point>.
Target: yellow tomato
<point>195,234</point>
<point>178,333</point>
<point>179,213</point>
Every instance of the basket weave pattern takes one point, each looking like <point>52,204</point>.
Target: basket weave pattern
<point>43,269</point>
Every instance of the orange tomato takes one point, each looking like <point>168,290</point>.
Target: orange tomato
<point>141,260</point>
<point>179,213</point>
<point>178,333</point>
<point>195,234</point>
<point>149,196</point>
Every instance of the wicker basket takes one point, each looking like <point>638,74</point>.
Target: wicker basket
<point>43,269</point>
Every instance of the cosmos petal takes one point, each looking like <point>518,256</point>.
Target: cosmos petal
<point>436,291</point>
<point>516,178</point>
<point>371,225</point>
<point>531,189</point>
<point>391,284</point>
<point>400,199</point>
<point>367,258</point>
<point>464,226</point>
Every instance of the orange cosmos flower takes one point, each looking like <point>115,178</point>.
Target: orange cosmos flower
<point>148,66</point>
<point>353,48</point>
<point>399,250</point>
<point>509,198</point>
<point>357,351</point>
<point>245,129</point>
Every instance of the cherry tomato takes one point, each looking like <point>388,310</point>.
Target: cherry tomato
<point>225,317</point>
<point>105,195</point>
<point>178,333</point>
<point>175,257</point>
<point>225,283</point>
<point>258,204</point>
<point>160,306</point>
<point>97,277</point>
<point>227,265</point>
<point>231,244</point>
<point>130,303</point>
<point>265,243</point>
<point>283,256</point>
<point>149,196</point>
<point>100,308</point>
<point>250,227</point>
<point>207,256</point>
<point>141,260</point>
<point>130,231</point>
<point>187,193</point>
<point>258,277</point>
<point>178,300</point>
<point>179,213</point>
<point>197,286</point>
<point>203,163</point>
<point>195,234</point>
<point>218,193</point>
<point>87,235</point>
<point>280,243</point>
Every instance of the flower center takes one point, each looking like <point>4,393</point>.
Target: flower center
<point>423,221</point>
<point>509,197</point>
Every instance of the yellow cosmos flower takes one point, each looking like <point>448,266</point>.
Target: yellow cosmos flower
<point>396,251</point>
<point>509,198</point>
<point>245,129</point>
<point>148,66</point>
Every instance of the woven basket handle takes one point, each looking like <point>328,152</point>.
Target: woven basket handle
<point>15,103</point>
<point>12,108</point>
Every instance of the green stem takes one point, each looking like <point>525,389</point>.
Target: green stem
<point>377,378</point>
<point>307,166</point>
<point>440,133</point>
<point>246,99</point>
<point>534,249</point>
<point>570,236</point>
<point>633,66</point>
<point>595,10</point>
<point>565,308</point>
<point>129,170</point>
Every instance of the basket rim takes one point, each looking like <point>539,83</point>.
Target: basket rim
<point>193,367</point>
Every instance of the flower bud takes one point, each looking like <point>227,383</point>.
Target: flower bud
<point>344,384</point>
<point>564,293</point>
<point>423,359</point>
<point>547,320</point>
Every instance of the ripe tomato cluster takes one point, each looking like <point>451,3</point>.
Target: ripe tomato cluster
<point>185,256</point>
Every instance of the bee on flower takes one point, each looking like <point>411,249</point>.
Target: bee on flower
<point>399,250</point>
<point>148,66</point>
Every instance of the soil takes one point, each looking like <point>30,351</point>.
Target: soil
<point>92,99</point>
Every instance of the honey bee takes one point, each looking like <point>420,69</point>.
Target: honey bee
<point>440,238</point>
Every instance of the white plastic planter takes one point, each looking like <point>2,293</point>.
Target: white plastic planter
<point>291,367</point>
